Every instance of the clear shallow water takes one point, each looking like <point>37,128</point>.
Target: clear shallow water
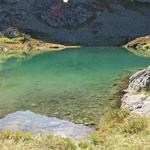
<point>74,84</point>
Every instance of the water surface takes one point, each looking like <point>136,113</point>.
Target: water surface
<point>74,84</point>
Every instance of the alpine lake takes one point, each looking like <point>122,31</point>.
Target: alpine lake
<point>72,84</point>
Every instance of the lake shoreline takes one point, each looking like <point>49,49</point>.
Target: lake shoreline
<point>98,135</point>
<point>14,43</point>
<point>139,46</point>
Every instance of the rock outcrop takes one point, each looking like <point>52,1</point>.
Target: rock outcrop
<point>14,43</point>
<point>86,22</point>
<point>39,124</point>
<point>140,46</point>
<point>137,96</point>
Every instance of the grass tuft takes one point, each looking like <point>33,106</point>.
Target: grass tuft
<point>118,130</point>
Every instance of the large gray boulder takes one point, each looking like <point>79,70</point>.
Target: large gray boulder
<point>137,96</point>
<point>140,80</point>
<point>40,124</point>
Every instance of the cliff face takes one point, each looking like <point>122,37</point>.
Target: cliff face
<point>84,22</point>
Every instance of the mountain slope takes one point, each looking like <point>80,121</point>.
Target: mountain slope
<point>86,22</point>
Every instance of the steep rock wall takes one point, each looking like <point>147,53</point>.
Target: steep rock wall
<point>84,22</point>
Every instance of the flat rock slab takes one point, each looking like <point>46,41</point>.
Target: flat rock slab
<point>36,123</point>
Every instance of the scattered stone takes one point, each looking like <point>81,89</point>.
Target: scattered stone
<point>3,49</point>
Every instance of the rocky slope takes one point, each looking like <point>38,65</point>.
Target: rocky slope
<point>86,22</point>
<point>137,96</point>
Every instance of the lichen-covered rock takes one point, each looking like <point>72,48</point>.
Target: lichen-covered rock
<point>138,103</point>
<point>137,96</point>
<point>13,32</point>
<point>140,80</point>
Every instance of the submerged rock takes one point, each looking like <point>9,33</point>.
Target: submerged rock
<point>137,96</point>
<point>36,123</point>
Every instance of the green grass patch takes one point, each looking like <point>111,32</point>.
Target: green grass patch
<point>123,130</point>
<point>118,130</point>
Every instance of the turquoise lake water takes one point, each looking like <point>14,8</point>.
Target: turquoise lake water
<point>74,84</point>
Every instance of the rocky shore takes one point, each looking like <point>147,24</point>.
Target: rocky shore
<point>140,46</point>
<point>14,43</point>
<point>137,95</point>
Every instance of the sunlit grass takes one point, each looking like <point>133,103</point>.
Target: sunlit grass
<point>27,141</point>
<point>118,130</point>
<point>122,130</point>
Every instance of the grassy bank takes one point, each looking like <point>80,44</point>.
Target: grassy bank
<point>27,141</point>
<point>23,47</point>
<point>118,130</point>
<point>122,130</point>
<point>140,46</point>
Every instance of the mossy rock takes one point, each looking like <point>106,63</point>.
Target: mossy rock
<point>140,46</point>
